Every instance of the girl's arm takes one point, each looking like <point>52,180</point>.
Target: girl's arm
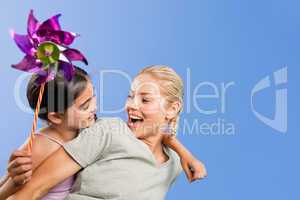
<point>192,167</point>
<point>52,171</point>
<point>19,172</point>
<point>8,188</point>
<point>3,179</point>
<point>4,193</point>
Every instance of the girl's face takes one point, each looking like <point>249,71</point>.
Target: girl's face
<point>82,113</point>
<point>145,106</point>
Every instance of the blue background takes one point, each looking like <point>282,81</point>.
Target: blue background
<point>219,41</point>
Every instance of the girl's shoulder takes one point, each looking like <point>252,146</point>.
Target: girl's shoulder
<point>42,147</point>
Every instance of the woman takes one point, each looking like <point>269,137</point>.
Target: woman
<point>120,161</point>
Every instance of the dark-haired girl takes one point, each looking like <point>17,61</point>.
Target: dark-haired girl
<point>67,107</point>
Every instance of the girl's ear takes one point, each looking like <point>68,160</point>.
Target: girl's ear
<point>173,110</point>
<point>55,118</point>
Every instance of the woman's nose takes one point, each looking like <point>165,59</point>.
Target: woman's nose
<point>132,104</point>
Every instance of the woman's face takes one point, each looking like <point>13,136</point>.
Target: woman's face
<point>145,106</point>
<point>82,113</point>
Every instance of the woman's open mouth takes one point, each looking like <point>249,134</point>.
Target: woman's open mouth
<point>134,121</point>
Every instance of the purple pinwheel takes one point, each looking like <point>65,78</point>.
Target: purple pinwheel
<point>46,49</point>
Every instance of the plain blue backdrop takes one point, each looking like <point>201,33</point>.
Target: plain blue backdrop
<point>215,41</point>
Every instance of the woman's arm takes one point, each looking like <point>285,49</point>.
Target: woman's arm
<point>174,144</point>
<point>84,150</point>
<point>52,171</point>
<point>192,167</point>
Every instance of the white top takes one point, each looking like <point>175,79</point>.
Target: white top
<point>118,166</point>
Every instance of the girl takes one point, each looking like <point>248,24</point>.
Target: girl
<point>117,162</point>
<point>67,107</point>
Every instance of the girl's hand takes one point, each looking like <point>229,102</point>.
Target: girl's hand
<point>193,168</point>
<point>20,167</point>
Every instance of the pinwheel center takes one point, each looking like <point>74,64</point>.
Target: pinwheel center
<point>48,53</point>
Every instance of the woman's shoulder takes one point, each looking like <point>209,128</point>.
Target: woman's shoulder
<point>175,161</point>
<point>112,121</point>
<point>172,154</point>
<point>110,124</point>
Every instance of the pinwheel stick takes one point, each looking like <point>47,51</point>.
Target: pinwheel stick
<point>36,113</point>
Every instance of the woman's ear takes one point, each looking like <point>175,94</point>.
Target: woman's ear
<point>173,110</point>
<point>55,118</point>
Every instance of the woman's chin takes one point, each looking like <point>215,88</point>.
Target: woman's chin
<point>137,133</point>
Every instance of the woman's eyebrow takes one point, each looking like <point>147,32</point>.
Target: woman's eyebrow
<point>146,93</point>
<point>141,93</point>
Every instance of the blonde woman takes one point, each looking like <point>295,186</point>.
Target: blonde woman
<point>116,160</point>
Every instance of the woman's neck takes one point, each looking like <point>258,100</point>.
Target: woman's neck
<point>156,146</point>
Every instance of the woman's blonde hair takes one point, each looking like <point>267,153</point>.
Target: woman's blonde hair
<point>170,82</point>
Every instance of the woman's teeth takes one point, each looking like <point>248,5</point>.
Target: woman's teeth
<point>135,119</point>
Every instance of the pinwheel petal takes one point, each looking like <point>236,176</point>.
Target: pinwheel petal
<point>75,55</point>
<point>32,24</point>
<point>24,43</point>
<point>62,37</point>
<point>29,64</point>
<point>58,37</point>
<point>68,69</point>
<point>51,24</point>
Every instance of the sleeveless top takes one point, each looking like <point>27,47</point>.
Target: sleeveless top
<point>61,190</point>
